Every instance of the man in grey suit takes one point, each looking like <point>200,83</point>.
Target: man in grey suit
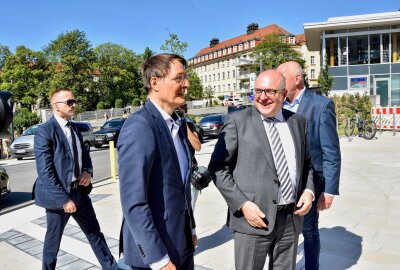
<point>261,167</point>
<point>323,142</point>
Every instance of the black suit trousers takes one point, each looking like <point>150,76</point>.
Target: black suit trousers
<point>87,221</point>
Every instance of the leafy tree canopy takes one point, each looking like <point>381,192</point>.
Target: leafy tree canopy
<point>195,90</point>
<point>174,45</point>
<point>325,81</point>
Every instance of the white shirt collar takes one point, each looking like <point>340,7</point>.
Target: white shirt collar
<point>61,121</point>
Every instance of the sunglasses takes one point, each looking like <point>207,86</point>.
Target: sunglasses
<point>69,102</point>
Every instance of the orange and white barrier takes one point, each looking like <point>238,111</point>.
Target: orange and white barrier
<point>386,117</point>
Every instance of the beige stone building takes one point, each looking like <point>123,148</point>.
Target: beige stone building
<point>225,66</point>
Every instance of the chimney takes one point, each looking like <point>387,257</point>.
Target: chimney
<point>214,42</point>
<point>251,28</point>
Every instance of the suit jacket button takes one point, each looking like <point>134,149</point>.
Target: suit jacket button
<point>275,181</point>
<point>274,201</point>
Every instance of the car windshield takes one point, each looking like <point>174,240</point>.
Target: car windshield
<point>216,118</point>
<point>112,124</point>
<point>30,131</point>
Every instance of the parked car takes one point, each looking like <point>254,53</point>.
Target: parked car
<point>233,108</point>
<point>87,133</point>
<point>232,101</point>
<point>23,145</point>
<point>108,132</point>
<point>4,182</point>
<point>199,130</point>
<point>211,125</point>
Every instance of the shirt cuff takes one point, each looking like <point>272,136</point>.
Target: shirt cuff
<point>161,263</point>
<point>312,193</point>
<point>332,195</point>
<point>193,231</point>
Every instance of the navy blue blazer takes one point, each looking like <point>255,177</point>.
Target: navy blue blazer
<point>155,199</point>
<point>323,141</point>
<point>55,165</point>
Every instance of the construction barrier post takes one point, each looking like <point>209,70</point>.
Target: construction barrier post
<point>380,122</point>
<point>394,121</point>
<point>113,160</point>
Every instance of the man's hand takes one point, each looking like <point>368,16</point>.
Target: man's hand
<point>85,178</point>
<point>253,215</point>
<point>194,239</point>
<point>324,202</point>
<point>69,207</point>
<point>169,266</point>
<point>304,203</point>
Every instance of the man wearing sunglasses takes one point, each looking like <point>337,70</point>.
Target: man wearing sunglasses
<point>154,168</point>
<point>64,172</point>
<point>260,165</point>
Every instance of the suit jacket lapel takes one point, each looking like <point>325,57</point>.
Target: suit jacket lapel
<point>62,136</point>
<point>261,136</point>
<point>187,150</point>
<point>165,133</point>
<point>294,131</point>
<point>304,102</point>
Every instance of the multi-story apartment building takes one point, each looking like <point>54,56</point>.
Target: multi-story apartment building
<point>225,66</point>
<point>362,53</point>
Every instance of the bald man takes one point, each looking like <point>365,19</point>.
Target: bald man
<point>261,167</point>
<point>323,143</point>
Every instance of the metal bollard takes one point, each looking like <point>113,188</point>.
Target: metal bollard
<point>394,121</point>
<point>113,160</point>
<point>348,131</point>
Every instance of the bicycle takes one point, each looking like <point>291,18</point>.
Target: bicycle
<point>366,128</point>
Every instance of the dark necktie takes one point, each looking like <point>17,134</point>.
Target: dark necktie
<point>75,151</point>
<point>280,160</point>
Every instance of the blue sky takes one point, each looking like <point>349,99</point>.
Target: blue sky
<point>137,24</point>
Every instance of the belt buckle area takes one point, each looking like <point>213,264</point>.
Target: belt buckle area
<point>284,206</point>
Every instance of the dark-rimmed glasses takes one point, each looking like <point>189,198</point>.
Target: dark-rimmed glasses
<point>267,92</point>
<point>68,102</point>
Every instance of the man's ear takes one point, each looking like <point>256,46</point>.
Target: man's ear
<point>154,83</point>
<point>298,79</point>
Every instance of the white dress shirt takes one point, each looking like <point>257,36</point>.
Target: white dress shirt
<point>63,124</point>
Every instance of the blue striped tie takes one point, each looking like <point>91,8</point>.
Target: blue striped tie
<point>280,160</point>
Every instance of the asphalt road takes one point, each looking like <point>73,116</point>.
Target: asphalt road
<point>23,174</point>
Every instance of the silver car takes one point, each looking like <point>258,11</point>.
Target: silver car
<point>23,146</point>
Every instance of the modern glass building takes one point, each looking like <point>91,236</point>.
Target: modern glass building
<point>362,52</point>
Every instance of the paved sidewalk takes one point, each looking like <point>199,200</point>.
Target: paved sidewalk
<point>360,231</point>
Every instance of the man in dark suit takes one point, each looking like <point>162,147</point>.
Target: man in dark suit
<point>64,181</point>
<point>261,167</point>
<point>323,143</point>
<point>154,161</point>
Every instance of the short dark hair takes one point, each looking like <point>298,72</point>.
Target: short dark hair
<point>159,66</point>
<point>59,90</point>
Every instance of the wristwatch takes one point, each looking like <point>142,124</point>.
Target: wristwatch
<point>89,170</point>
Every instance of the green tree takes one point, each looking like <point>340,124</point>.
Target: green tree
<point>174,45</point>
<point>26,75</point>
<point>208,93</point>
<point>147,54</point>
<point>195,90</point>
<point>119,73</point>
<point>72,58</point>
<point>4,53</point>
<point>23,117</point>
<point>325,81</point>
<point>272,52</point>
<point>118,103</point>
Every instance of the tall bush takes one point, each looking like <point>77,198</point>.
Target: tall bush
<point>23,117</point>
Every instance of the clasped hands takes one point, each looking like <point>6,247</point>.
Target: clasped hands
<point>255,217</point>
<point>84,180</point>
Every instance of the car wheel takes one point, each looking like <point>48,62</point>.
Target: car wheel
<point>201,136</point>
<point>97,145</point>
<point>87,146</point>
<point>19,158</point>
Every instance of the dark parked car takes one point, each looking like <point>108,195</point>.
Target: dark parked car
<point>237,108</point>
<point>4,182</point>
<point>192,123</point>
<point>109,132</point>
<point>211,125</point>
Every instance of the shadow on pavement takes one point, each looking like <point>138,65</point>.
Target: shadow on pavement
<point>14,198</point>
<point>340,249</point>
<point>218,238</point>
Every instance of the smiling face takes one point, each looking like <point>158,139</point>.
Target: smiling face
<point>169,91</point>
<point>60,106</point>
<point>270,80</point>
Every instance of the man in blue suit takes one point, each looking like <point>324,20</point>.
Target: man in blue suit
<point>64,182</point>
<point>324,148</point>
<point>154,169</point>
